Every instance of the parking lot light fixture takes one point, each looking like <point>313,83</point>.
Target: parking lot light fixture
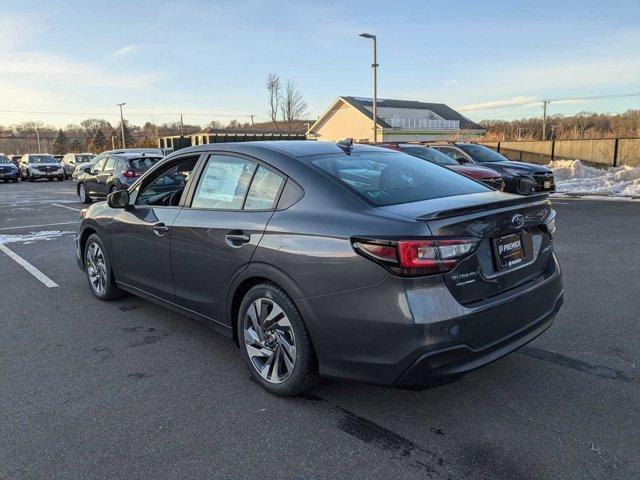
<point>374,66</point>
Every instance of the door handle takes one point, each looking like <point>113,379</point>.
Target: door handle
<point>236,238</point>
<point>160,229</point>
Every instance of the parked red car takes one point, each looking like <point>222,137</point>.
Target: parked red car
<point>485,175</point>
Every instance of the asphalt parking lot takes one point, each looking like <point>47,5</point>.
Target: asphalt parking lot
<point>127,389</point>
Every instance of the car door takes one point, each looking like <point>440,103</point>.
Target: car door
<point>102,178</point>
<point>141,234</point>
<point>215,235</point>
<point>90,180</point>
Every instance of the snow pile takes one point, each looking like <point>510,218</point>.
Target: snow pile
<point>33,236</point>
<point>573,177</point>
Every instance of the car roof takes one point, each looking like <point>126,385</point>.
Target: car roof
<point>134,155</point>
<point>293,148</point>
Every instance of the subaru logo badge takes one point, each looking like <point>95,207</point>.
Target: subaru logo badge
<point>517,220</point>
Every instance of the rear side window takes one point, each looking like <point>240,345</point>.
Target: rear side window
<point>392,178</point>
<point>224,183</point>
<point>264,190</point>
<point>111,164</point>
<point>142,164</point>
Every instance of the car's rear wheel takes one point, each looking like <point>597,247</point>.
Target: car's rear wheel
<point>82,193</point>
<point>98,269</point>
<point>274,341</point>
<point>50,179</point>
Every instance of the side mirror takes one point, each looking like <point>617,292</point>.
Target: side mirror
<point>118,199</point>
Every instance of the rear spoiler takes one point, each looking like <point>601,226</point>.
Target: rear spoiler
<point>538,197</point>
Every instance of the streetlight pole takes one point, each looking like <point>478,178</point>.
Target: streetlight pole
<point>122,124</point>
<point>374,66</point>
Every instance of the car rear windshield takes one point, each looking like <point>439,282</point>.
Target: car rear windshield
<point>142,164</point>
<point>4,159</point>
<point>429,154</point>
<point>482,154</point>
<point>392,178</point>
<point>41,159</point>
<point>84,158</point>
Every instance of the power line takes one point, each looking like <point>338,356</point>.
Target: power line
<point>538,102</point>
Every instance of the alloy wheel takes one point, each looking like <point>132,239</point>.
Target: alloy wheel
<point>81,193</point>
<point>96,266</point>
<point>269,340</point>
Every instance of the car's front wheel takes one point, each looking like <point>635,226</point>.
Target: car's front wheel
<point>274,341</point>
<point>82,193</point>
<point>98,269</point>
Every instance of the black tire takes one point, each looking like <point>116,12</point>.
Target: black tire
<point>86,198</point>
<point>61,178</point>
<point>305,370</point>
<point>30,177</point>
<point>110,290</point>
<point>15,180</point>
<point>50,179</point>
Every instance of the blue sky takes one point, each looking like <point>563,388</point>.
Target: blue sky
<point>212,57</point>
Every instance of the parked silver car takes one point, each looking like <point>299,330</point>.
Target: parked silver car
<point>34,166</point>
<point>71,160</point>
<point>80,168</point>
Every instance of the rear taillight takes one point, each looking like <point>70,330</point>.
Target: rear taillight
<point>131,173</point>
<point>417,257</point>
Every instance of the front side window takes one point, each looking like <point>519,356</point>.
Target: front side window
<point>97,167</point>
<point>224,183</point>
<point>111,164</point>
<point>167,187</point>
<point>391,178</point>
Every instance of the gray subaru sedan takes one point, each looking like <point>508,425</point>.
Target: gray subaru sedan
<point>331,259</point>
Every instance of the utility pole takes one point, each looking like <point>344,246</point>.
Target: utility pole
<point>374,102</point>
<point>252,120</point>
<point>113,142</point>
<point>122,125</point>
<point>544,118</point>
<point>181,127</point>
<point>38,137</point>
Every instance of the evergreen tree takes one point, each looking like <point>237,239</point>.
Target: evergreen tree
<point>99,140</point>
<point>127,135</point>
<point>60,143</point>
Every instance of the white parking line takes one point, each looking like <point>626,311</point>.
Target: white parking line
<point>28,267</point>
<point>36,226</point>
<point>64,206</point>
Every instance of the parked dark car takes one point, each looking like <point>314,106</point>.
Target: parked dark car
<point>112,172</point>
<point>34,166</point>
<point>341,260</point>
<point>8,171</point>
<point>80,167</point>
<point>519,177</point>
<point>485,175</point>
<point>71,160</point>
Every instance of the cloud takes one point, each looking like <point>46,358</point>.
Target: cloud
<point>451,82</point>
<point>39,67</point>
<point>126,50</point>
<point>498,104</point>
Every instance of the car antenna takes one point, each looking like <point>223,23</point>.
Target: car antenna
<point>346,145</point>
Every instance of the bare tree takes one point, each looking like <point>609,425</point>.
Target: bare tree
<point>292,105</point>
<point>275,91</point>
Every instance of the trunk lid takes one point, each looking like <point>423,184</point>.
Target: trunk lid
<point>504,224</point>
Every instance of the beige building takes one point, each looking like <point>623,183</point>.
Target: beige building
<point>398,121</point>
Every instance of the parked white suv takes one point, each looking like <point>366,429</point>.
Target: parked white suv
<point>40,165</point>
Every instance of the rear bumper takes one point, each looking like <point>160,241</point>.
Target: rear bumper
<point>409,332</point>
